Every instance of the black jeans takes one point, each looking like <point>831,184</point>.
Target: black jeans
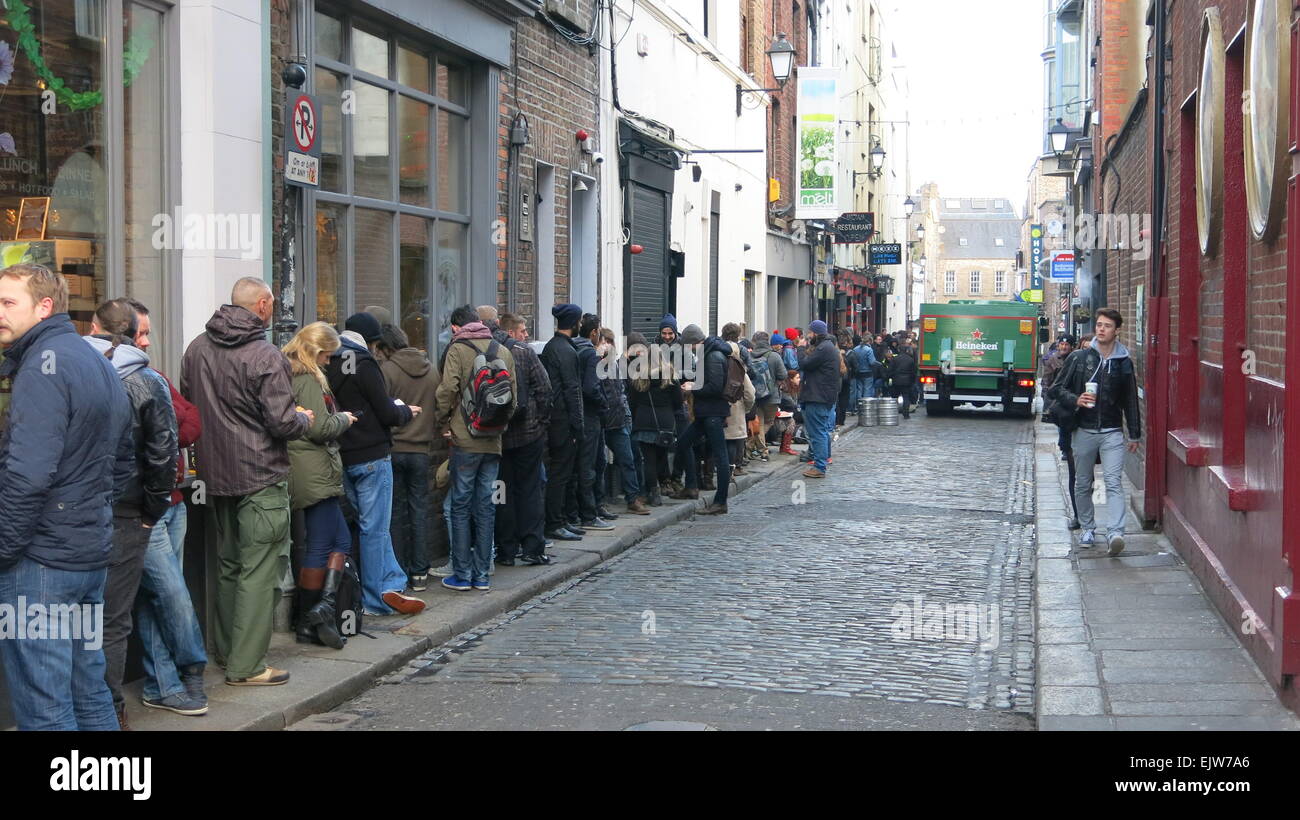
<point>125,566</point>
<point>520,520</point>
<point>842,403</point>
<point>581,502</point>
<point>561,456</point>
<point>713,430</point>
<point>654,463</point>
<point>409,527</point>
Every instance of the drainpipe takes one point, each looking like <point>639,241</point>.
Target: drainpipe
<point>1157,364</point>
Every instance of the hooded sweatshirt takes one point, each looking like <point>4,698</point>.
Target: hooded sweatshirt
<point>458,369</point>
<point>775,364</point>
<point>359,387</point>
<point>1117,399</point>
<point>243,388</point>
<point>410,377</point>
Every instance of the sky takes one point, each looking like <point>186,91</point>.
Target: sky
<point>976,74</point>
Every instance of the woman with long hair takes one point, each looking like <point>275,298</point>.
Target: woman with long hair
<point>653,392</point>
<point>315,485</point>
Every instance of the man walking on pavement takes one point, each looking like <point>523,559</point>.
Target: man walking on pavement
<point>560,358</point>
<point>820,371</point>
<point>521,521</point>
<point>68,416</point>
<point>244,391</point>
<point>1096,393</point>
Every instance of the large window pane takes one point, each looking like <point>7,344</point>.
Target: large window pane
<point>452,276</point>
<point>412,69</point>
<point>329,97</point>
<point>369,53</point>
<point>413,145</point>
<point>144,130</point>
<point>453,194</point>
<point>329,37</point>
<point>52,167</point>
<point>372,166</point>
<point>373,265</point>
<point>331,262</point>
<point>414,247</point>
<point>453,83</point>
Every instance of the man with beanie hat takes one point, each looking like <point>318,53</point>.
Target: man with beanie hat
<point>820,390</point>
<point>560,357</point>
<point>359,388</point>
<point>765,353</point>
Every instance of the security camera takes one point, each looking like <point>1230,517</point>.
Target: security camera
<point>598,158</point>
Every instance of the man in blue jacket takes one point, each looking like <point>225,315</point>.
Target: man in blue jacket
<point>59,469</point>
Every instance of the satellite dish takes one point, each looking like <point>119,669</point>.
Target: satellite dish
<point>1055,227</point>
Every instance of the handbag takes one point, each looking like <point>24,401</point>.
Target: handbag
<point>663,438</point>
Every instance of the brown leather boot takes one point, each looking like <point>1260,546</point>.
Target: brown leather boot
<point>121,718</point>
<point>638,507</point>
<point>786,439</point>
<point>686,494</point>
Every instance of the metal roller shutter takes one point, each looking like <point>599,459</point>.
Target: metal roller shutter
<point>648,270</point>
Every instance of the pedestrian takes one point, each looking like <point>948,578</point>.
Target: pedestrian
<point>476,369</point>
<point>788,352</point>
<point>1096,394</point>
<point>411,379</point>
<point>1051,369</point>
<point>145,486</point>
<point>67,425</point>
<point>861,362</point>
<point>771,370</point>
<point>737,430</point>
<point>359,388</point>
<point>692,346</point>
<point>844,342</point>
<point>820,374</point>
<point>560,357</point>
<point>316,485</point>
<point>617,422</point>
<point>243,388</point>
<point>902,376</point>
<point>172,653</point>
<point>581,508</point>
<point>653,392</point>
<point>521,521</point>
<point>712,406</point>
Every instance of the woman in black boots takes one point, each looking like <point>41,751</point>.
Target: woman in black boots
<point>652,395</point>
<point>315,486</point>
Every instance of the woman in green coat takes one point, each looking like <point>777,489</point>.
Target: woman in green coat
<point>316,483</point>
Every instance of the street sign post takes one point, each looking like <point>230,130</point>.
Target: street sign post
<point>302,148</point>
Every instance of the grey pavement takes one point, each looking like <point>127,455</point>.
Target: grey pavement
<point>895,593</point>
<point>1132,642</point>
<point>322,678</point>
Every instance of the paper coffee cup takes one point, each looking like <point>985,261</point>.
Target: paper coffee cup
<point>1090,387</point>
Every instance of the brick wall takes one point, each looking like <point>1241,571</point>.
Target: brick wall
<point>790,19</point>
<point>554,83</point>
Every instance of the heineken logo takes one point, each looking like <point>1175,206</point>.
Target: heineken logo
<point>977,346</point>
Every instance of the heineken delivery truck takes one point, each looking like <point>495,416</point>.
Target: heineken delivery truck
<point>980,352</point>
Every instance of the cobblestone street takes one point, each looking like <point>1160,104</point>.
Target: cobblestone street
<point>870,586</point>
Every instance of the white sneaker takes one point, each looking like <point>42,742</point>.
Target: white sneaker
<point>1088,538</point>
<point>1116,543</point>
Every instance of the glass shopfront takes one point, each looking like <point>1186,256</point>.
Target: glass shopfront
<point>84,147</point>
<point>392,215</point>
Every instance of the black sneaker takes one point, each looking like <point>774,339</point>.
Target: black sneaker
<point>599,524</point>
<point>536,560</point>
<point>605,513</point>
<point>575,528</point>
<point>179,703</point>
<point>563,535</point>
<point>505,562</point>
<point>192,680</point>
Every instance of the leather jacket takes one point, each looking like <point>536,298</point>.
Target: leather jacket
<point>1117,396</point>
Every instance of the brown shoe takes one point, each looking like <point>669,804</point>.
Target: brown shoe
<point>714,509</point>
<point>122,725</point>
<point>686,494</point>
<point>269,677</point>
<point>813,472</point>
<point>737,470</point>
<point>638,507</point>
<point>405,604</point>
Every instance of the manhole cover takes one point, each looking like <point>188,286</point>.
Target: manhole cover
<point>670,726</point>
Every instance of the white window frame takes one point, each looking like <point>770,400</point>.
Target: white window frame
<point>1000,282</point>
<point>975,281</point>
<point>950,283</point>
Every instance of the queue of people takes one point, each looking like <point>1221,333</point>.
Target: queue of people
<point>318,457</point>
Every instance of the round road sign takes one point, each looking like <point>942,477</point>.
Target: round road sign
<point>304,123</point>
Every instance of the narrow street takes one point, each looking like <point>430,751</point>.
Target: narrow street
<point>788,613</point>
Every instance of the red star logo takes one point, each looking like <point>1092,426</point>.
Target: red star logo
<point>977,334</point>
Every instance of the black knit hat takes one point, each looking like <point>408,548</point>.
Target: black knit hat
<point>364,325</point>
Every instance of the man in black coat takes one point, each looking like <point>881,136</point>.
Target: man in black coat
<point>711,412</point>
<point>560,358</point>
<point>822,374</point>
<point>902,375</point>
<point>581,508</point>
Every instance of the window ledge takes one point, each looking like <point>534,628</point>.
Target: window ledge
<point>1230,482</point>
<point>1186,444</point>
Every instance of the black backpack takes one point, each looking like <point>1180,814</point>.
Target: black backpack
<point>348,610</point>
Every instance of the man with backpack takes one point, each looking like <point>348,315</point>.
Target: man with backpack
<point>475,400</point>
<point>721,383</point>
<point>861,362</point>
<point>770,371</point>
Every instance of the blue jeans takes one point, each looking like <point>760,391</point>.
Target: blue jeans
<point>472,478</point>
<point>410,528</point>
<point>619,441</point>
<point>817,418</point>
<point>57,683</point>
<point>369,487</point>
<point>170,638</point>
<point>327,531</point>
<point>860,387</point>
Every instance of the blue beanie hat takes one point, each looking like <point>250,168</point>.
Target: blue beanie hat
<point>817,326</point>
<point>566,316</point>
<point>669,320</point>
<point>777,340</point>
